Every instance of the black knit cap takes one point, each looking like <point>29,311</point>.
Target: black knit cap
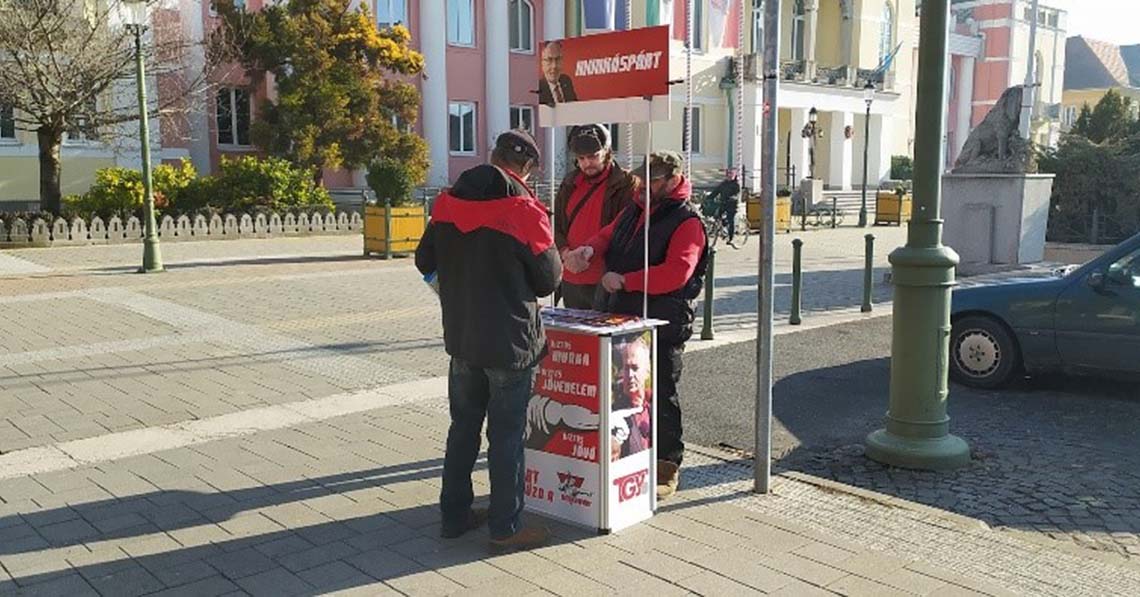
<point>518,142</point>
<point>588,139</point>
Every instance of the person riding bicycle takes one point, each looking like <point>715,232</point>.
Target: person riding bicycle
<point>724,199</point>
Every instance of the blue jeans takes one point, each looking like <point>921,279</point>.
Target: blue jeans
<point>501,396</point>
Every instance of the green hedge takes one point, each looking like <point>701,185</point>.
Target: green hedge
<point>243,184</point>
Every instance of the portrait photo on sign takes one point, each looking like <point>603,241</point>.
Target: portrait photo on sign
<point>631,418</point>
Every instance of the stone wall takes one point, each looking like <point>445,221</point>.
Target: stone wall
<point>38,232</point>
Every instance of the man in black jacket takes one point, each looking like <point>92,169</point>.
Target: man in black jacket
<point>490,243</point>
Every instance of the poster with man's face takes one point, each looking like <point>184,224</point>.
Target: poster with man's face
<point>631,421</point>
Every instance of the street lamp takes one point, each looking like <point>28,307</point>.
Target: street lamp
<point>813,117</point>
<point>869,97</point>
<point>134,16</point>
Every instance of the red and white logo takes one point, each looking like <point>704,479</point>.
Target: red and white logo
<point>632,485</point>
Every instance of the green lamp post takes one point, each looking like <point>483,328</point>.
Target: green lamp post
<point>917,432</point>
<point>134,17</point>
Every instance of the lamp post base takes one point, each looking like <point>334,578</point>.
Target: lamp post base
<point>863,217</point>
<point>942,453</point>
<point>152,257</point>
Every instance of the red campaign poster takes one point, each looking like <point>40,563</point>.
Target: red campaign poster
<point>562,415</point>
<point>621,64</point>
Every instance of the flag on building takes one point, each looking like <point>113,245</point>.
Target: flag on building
<point>718,22</point>
<point>659,12</point>
<point>603,15</point>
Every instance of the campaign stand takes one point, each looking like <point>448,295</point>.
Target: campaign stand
<point>591,434</point>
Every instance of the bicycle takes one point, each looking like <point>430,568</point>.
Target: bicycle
<point>717,230</point>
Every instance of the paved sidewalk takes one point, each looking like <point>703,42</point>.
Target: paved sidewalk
<point>268,418</point>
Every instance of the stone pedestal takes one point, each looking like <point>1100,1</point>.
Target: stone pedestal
<point>996,218</point>
<point>812,190</point>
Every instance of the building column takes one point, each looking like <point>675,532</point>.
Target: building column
<point>498,108</point>
<point>879,155</point>
<point>800,146</point>
<point>811,29</point>
<point>433,44</point>
<point>554,27</point>
<point>965,105</point>
<point>753,122</point>
<point>839,165</point>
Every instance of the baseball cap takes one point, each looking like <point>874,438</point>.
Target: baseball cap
<point>588,139</point>
<point>663,163</point>
<point>518,142</point>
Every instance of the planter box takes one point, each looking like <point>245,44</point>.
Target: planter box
<point>783,213</point>
<point>393,230</point>
<point>890,209</point>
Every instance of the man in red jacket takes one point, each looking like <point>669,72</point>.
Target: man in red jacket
<point>489,241</point>
<point>588,199</point>
<point>677,252</point>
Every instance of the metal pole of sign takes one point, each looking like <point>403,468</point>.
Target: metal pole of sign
<point>688,132</point>
<point>628,126</point>
<point>550,141</point>
<point>645,253</point>
<point>763,450</point>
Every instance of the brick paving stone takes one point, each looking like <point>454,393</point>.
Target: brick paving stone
<point>502,585</point>
<point>383,564</point>
<point>741,565</point>
<point>239,564</point>
<point>206,587</point>
<point>804,569</point>
<point>662,565</point>
<point>310,558</point>
<point>711,584</point>
<point>274,582</point>
<point>68,585</point>
<point>134,580</point>
<point>181,574</point>
<point>857,586</point>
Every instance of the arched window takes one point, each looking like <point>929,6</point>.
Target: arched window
<point>522,25</point>
<point>799,27</point>
<point>887,33</point>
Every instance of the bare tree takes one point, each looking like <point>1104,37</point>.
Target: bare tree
<point>66,67</point>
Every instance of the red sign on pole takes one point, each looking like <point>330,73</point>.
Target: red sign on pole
<point>616,65</point>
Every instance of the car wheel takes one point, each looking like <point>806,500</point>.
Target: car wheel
<point>983,354</point>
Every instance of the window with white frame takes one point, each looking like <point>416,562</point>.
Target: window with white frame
<point>234,113</point>
<point>696,132</point>
<point>522,26</point>
<point>698,25</point>
<point>7,123</point>
<point>757,26</point>
<point>522,117</point>
<point>461,22</point>
<point>238,4</point>
<point>80,130</point>
<point>391,12</point>
<point>799,29</point>
<point>461,128</point>
<point>887,32</point>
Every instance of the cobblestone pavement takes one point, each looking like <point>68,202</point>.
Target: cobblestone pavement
<point>1054,457</point>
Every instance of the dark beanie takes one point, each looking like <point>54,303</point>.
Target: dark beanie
<point>588,139</point>
<point>519,143</point>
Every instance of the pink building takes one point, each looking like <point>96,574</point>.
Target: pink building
<point>481,66</point>
<point>990,45</point>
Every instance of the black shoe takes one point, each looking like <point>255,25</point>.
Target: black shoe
<point>475,519</point>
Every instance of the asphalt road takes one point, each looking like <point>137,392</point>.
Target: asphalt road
<point>1058,455</point>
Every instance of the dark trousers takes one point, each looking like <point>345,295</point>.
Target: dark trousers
<point>501,396</point>
<point>730,219</point>
<point>578,296</point>
<point>669,444</point>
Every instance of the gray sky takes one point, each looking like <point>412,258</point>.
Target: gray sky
<point>1115,21</point>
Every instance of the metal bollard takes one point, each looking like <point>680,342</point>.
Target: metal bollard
<point>868,272</point>
<point>797,281</point>
<point>707,326</point>
<point>834,211</point>
<point>387,228</point>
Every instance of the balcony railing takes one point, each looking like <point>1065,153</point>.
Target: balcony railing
<point>845,76</point>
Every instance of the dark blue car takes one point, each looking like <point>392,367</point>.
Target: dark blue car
<point>1084,321</point>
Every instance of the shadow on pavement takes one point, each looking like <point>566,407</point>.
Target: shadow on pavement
<point>388,545</point>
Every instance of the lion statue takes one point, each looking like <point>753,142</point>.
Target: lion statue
<point>995,146</point>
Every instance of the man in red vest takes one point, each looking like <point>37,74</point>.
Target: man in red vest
<point>489,243</point>
<point>589,199</point>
